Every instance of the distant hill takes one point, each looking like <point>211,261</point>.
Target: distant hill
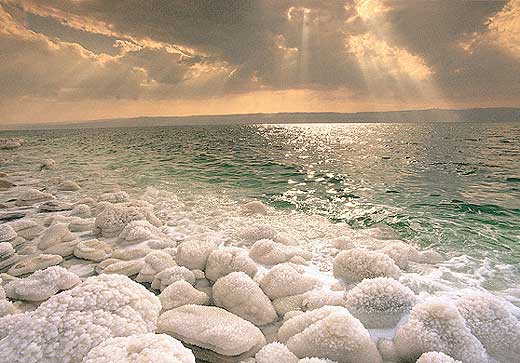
<point>501,114</point>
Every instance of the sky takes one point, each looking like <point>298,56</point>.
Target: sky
<point>64,60</point>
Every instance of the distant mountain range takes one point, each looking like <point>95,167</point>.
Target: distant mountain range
<point>500,114</point>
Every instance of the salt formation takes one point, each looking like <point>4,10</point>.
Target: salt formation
<point>27,228</point>
<point>182,293</point>
<point>255,207</point>
<point>81,211</point>
<point>115,217</point>
<point>48,164</point>
<point>493,324</point>
<point>438,326</point>
<point>286,304</point>
<point>69,186</point>
<point>42,284</point>
<point>284,280</point>
<point>330,332</point>
<point>194,254</point>
<point>136,232</point>
<point>225,260</point>
<point>68,325</point>
<point>7,233</point>
<point>10,143</point>
<point>212,328</point>
<point>357,264</point>
<point>380,302</point>
<point>257,232</point>
<point>93,250</point>
<point>54,206</point>
<point>275,353</point>
<point>269,252</point>
<point>402,253</point>
<point>32,196</point>
<point>155,262</point>
<point>54,235</point>
<point>167,277</point>
<point>436,357</point>
<point>116,266</point>
<point>34,263</point>
<point>140,348</point>
<point>115,197</point>
<point>239,294</point>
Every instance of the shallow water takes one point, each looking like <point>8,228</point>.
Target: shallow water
<point>451,187</point>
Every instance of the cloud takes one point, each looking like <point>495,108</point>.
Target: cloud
<point>366,50</point>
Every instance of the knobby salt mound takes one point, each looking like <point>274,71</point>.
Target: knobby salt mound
<point>493,324</point>
<point>275,353</point>
<point>212,328</point>
<point>436,357</point>
<point>140,348</point>
<point>330,332</point>
<point>284,280</point>
<point>225,260</point>
<point>42,284</point>
<point>68,325</point>
<point>358,263</point>
<point>239,294</point>
<point>182,293</point>
<point>438,326</point>
<point>380,302</point>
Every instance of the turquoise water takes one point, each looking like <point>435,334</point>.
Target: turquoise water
<point>455,187</point>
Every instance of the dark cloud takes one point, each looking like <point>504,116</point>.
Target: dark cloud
<point>160,49</point>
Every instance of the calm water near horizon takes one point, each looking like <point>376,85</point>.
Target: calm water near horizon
<point>451,186</point>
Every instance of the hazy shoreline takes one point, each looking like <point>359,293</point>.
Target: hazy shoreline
<point>473,115</point>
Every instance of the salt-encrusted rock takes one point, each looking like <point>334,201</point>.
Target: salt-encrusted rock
<point>212,328</point>
<point>54,206</point>
<point>275,353</point>
<point>402,253</point>
<point>225,260</point>
<point>257,232</point>
<point>115,266</point>
<point>318,298</point>
<point>255,207</point>
<point>140,348</point>
<point>6,308</point>
<point>330,332</point>
<point>118,196</point>
<point>32,196</point>
<point>10,143</point>
<point>9,321</point>
<point>492,324</point>
<point>91,202</point>
<point>194,254</point>
<point>131,252</point>
<point>269,252</point>
<point>357,264</point>
<point>7,233</point>
<point>6,250</point>
<point>58,233</point>
<point>69,186</point>
<point>239,294</point>
<point>436,357</point>
<point>48,164</point>
<point>380,302</point>
<point>167,277</point>
<point>438,326</point>
<point>42,284</point>
<point>27,228</point>
<point>155,262</point>
<point>81,225</point>
<point>81,211</point>
<point>68,325</point>
<point>284,280</point>
<point>64,249</point>
<point>93,250</point>
<point>35,263</point>
<point>136,232</point>
<point>287,304</point>
<point>115,217</point>
<point>10,260</point>
<point>182,293</point>
<point>6,184</point>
